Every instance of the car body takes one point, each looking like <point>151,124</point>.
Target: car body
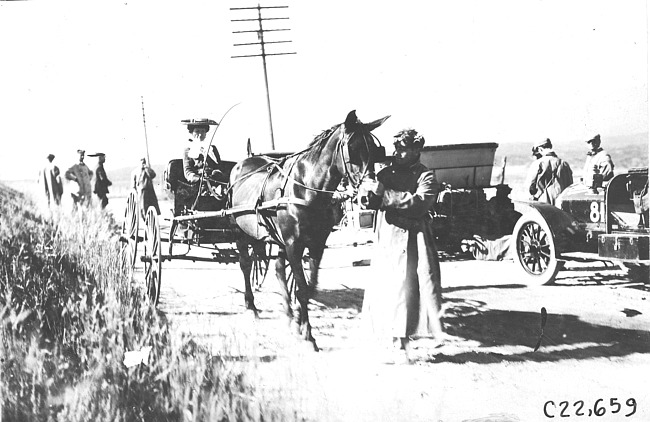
<point>608,222</point>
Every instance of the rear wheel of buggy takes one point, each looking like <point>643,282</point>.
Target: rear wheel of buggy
<point>534,247</point>
<point>152,255</point>
<point>129,235</point>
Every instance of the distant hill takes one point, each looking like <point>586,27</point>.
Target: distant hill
<point>626,151</point>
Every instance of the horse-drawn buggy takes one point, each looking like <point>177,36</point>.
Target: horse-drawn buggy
<point>280,200</point>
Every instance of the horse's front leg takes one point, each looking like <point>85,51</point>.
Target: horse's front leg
<point>315,257</point>
<point>246,265</point>
<point>303,292</point>
<point>281,275</point>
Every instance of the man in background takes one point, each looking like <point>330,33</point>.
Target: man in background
<point>599,166</point>
<point>101,180</point>
<point>142,182</point>
<point>550,175</point>
<point>51,179</point>
<point>80,175</point>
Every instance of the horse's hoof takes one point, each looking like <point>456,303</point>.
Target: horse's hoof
<point>294,327</point>
<point>254,312</point>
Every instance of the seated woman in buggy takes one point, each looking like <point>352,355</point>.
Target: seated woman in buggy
<point>198,181</point>
<point>200,158</point>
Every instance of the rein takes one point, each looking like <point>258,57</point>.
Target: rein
<point>341,149</point>
<point>205,161</point>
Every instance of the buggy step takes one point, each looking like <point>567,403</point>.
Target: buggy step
<point>124,239</point>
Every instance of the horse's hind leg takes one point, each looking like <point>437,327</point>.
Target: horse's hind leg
<point>246,265</point>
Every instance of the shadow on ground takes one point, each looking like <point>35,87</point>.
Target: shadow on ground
<point>565,337</point>
<point>350,298</point>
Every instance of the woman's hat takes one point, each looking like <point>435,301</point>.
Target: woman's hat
<point>198,123</point>
<point>409,138</point>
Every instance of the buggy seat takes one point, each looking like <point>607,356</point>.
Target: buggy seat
<point>184,194</point>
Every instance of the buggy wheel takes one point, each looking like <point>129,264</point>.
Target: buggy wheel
<point>260,266</point>
<point>129,235</point>
<point>535,249</point>
<point>172,234</point>
<point>152,255</point>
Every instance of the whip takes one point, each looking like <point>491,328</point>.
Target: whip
<point>144,122</point>
<point>205,161</point>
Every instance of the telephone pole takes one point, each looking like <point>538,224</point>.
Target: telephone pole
<point>262,43</point>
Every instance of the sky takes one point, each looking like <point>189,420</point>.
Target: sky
<point>77,74</point>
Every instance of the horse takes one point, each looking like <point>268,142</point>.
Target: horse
<point>289,202</point>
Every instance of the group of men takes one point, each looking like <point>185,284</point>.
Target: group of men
<point>80,178</point>
<point>549,175</point>
<point>83,185</point>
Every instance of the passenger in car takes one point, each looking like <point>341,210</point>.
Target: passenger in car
<point>599,165</point>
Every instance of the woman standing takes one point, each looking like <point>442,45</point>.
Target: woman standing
<point>404,298</point>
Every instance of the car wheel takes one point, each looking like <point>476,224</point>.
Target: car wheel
<point>535,250</point>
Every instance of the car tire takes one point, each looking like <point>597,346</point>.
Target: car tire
<point>535,250</point>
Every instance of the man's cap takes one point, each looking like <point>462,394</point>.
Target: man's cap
<point>595,138</point>
<point>97,154</point>
<point>194,123</point>
<point>546,143</point>
<point>50,156</point>
<point>409,138</point>
<point>81,151</point>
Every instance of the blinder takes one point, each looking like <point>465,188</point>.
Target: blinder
<point>376,153</point>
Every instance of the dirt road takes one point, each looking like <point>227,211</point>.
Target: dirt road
<point>594,354</point>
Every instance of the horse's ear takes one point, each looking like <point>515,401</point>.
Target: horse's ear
<point>351,121</point>
<point>374,125</point>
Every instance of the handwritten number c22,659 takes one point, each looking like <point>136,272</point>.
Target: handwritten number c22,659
<point>599,408</point>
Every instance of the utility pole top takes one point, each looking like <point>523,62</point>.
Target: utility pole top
<point>262,43</point>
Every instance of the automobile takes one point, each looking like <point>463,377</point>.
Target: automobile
<point>603,222</point>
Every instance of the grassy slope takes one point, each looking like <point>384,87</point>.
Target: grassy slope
<point>67,318</point>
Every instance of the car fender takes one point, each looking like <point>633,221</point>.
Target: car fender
<point>564,228</point>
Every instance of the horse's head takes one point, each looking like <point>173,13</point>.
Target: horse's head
<point>360,149</point>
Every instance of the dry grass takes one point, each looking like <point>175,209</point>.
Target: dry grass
<point>68,314</point>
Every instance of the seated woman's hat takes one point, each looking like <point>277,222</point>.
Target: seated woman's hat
<point>409,138</point>
<point>198,123</point>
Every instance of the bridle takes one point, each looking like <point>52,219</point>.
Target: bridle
<point>344,149</point>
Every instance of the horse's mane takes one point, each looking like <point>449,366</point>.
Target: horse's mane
<point>320,140</point>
